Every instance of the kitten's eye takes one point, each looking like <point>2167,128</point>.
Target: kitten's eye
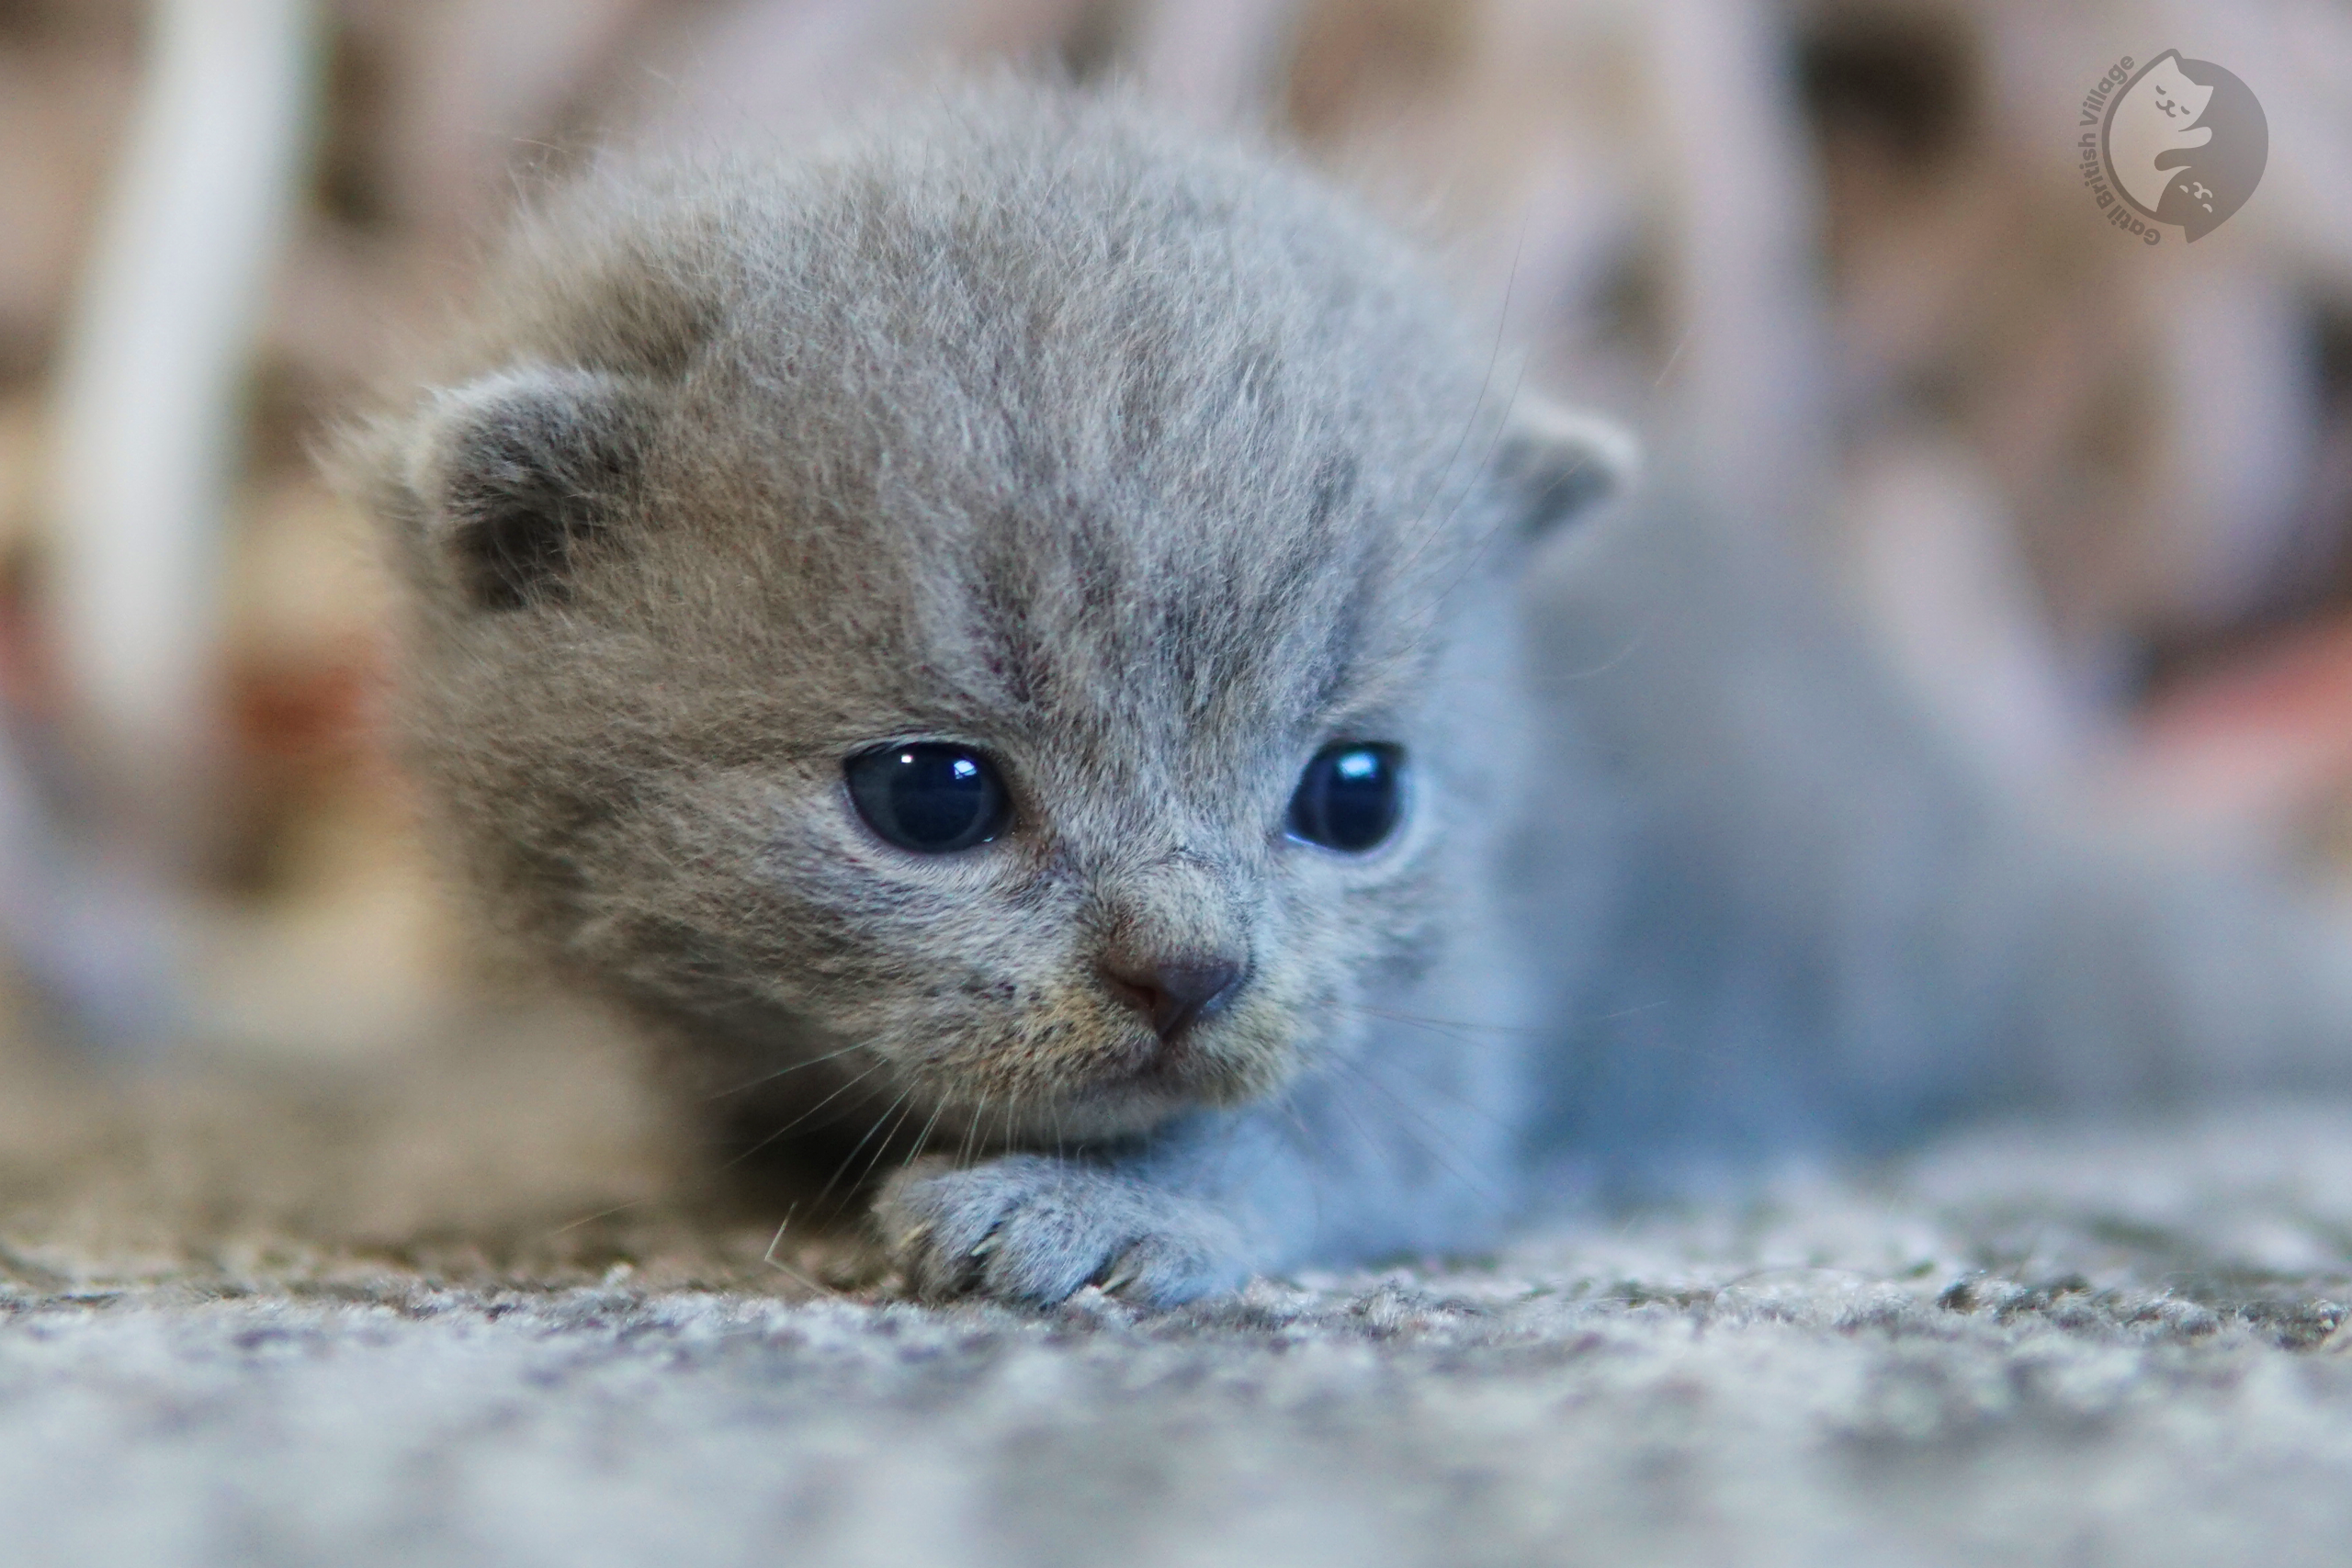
<point>1350,796</point>
<point>929,797</point>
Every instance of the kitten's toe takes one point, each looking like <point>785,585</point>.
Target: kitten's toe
<point>1170,1268</point>
<point>1029,1229</point>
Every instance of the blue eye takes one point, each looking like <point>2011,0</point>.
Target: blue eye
<point>1349,797</point>
<point>929,797</point>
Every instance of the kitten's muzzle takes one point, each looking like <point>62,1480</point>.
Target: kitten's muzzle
<point>1176,990</point>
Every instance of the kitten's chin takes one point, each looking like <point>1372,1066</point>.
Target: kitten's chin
<point>1132,1094</point>
<point>1163,1089</point>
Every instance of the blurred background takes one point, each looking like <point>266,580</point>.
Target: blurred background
<point>2094,496</point>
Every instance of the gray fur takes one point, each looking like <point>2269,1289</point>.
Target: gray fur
<point>1149,467</point>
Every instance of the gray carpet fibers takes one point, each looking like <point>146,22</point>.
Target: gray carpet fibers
<point>313,1324</point>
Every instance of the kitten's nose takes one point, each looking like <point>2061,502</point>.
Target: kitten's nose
<point>1176,990</point>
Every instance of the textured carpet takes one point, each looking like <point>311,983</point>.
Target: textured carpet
<point>346,1319</point>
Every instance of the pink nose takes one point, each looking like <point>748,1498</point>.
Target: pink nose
<point>1174,992</point>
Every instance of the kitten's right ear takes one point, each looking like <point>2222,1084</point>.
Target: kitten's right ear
<point>1554,463</point>
<point>516,475</point>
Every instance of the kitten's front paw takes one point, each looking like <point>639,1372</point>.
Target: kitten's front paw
<point>1030,1229</point>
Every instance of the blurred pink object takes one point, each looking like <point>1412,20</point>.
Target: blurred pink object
<point>2266,737</point>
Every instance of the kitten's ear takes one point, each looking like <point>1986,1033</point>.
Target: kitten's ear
<point>514,475</point>
<point>1553,464</point>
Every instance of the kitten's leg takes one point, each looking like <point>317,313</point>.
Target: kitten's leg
<point>1037,1228</point>
<point>1412,1147</point>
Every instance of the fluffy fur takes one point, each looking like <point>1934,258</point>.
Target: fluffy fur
<point>1148,467</point>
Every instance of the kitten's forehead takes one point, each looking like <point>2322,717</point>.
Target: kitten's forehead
<point>1176,622</point>
<point>1154,615</point>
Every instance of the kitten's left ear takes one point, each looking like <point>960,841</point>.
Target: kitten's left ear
<point>1553,464</point>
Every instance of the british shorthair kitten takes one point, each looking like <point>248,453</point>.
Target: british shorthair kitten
<point>1025,645</point>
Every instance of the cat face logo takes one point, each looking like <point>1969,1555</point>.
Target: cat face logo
<point>2184,143</point>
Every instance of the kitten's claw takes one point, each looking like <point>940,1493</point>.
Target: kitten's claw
<point>1030,1229</point>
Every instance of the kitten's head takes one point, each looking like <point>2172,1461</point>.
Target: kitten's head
<point>1010,598</point>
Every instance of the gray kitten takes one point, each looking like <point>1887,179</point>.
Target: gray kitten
<point>1007,639</point>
